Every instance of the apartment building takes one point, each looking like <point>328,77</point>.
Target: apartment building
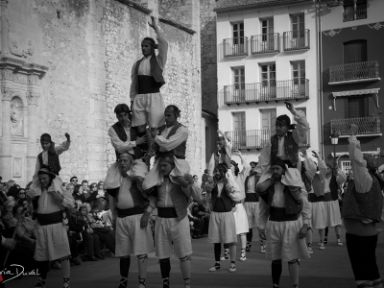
<point>352,60</point>
<point>266,55</point>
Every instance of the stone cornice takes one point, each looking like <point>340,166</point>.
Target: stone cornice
<point>258,4</point>
<point>147,11</point>
<point>22,67</point>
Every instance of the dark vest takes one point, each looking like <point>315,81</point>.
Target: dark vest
<point>156,72</point>
<point>290,148</point>
<point>119,129</point>
<point>53,161</point>
<point>223,203</point>
<point>179,151</point>
<point>334,188</point>
<point>251,197</point>
<point>291,205</point>
<point>360,206</point>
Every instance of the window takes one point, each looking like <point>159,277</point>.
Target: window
<point>238,84</point>
<point>298,77</point>
<point>298,72</point>
<point>298,27</point>
<point>354,10</point>
<point>355,51</point>
<point>266,29</point>
<point>357,107</point>
<point>346,166</point>
<point>268,125</point>
<point>268,80</point>
<point>238,33</point>
<point>239,130</point>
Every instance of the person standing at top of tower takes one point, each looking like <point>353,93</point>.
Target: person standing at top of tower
<point>147,78</point>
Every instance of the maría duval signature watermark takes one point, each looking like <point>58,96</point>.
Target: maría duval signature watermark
<point>14,271</point>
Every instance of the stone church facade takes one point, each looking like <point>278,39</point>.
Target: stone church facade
<point>64,66</point>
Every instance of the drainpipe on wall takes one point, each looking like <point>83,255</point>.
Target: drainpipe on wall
<point>319,58</point>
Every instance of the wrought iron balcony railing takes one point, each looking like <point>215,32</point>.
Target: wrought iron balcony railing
<point>266,91</point>
<point>296,40</point>
<point>235,47</point>
<point>354,72</point>
<point>266,43</point>
<point>254,139</point>
<point>250,139</point>
<point>368,126</point>
<point>351,13</point>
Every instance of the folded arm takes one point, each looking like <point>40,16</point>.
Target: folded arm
<point>175,140</point>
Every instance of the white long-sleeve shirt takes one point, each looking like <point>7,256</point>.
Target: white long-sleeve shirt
<point>180,136</point>
<point>362,179</point>
<point>119,145</point>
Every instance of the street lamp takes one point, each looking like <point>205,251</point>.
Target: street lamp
<point>334,140</point>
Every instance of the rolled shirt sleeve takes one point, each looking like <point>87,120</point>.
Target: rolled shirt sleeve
<point>180,136</point>
<point>119,145</point>
<point>362,179</point>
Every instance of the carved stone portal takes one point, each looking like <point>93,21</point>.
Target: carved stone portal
<point>17,117</point>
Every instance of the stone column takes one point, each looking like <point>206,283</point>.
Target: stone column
<point>5,140</point>
<point>32,122</point>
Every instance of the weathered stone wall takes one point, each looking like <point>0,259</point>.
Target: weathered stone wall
<point>89,47</point>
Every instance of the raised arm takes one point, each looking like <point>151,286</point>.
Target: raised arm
<point>162,42</point>
<point>302,126</point>
<point>362,179</point>
<point>63,146</point>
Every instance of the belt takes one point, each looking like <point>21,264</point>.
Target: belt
<point>166,212</point>
<point>251,197</point>
<point>147,84</point>
<point>121,213</point>
<point>279,215</point>
<point>50,218</point>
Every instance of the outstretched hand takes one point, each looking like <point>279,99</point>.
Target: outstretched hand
<point>153,23</point>
<point>67,136</point>
<point>289,106</point>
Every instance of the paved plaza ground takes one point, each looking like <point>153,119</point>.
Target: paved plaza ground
<point>326,269</point>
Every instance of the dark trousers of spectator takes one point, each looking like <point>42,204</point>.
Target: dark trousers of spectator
<point>362,254</point>
<point>91,245</point>
<point>74,244</point>
<point>107,238</point>
<point>200,226</point>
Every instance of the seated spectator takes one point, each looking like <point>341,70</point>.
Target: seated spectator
<point>200,218</point>
<point>90,238</point>
<point>103,230</point>
<point>25,239</point>
<point>100,189</point>
<point>76,225</point>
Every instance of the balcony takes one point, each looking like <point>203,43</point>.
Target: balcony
<point>254,139</point>
<point>235,47</point>
<point>368,126</point>
<point>266,92</point>
<point>250,139</point>
<point>296,40</point>
<point>267,43</point>
<point>351,13</point>
<point>354,72</point>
